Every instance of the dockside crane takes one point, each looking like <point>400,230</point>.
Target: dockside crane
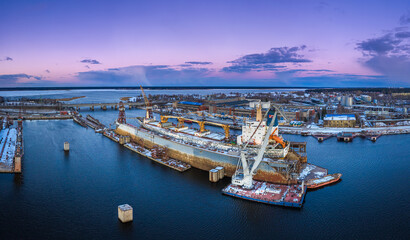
<point>244,178</point>
<point>164,119</point>
<point>148,106</point>
<point>201,124</point>
<point>225,127</point>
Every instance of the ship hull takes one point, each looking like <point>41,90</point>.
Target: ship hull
<point>336,178</point>
<point>198,157</point>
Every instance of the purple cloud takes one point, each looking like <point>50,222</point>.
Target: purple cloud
<point>402,35</point>
<point>380,45</point>
<point>90,61</point>
<point>198,63</point>
<point>267,61</point>
<point>274,55</point>
<point>17,79</point>
<point>405,19</point>
<point>7,59</point>
<point>238,68</point>
<point>143,74</point>
<point>388,55</point>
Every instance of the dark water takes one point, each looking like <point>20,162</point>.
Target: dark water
<point>75,195</point>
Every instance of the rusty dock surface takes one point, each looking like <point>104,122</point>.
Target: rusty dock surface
<point>171,163</point>
<point>269,193</point>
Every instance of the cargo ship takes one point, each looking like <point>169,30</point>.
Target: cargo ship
<point>323,181</point>
<point>284,161</point>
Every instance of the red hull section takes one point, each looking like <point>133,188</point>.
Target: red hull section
<point>326,180</point>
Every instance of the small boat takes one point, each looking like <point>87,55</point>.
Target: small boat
<point>187,121</point>
<point>323,181</point>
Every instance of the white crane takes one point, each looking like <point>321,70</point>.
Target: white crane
<point>244,178</point>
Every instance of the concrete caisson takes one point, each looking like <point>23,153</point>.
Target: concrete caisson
<point>213,175</point>
<point>221,172</point>
<point>17,164</point>
<point>125,213</point>
<point>66,146</point>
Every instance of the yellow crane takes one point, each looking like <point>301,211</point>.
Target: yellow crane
<point>201,124</point>
<point>164,119</point>
<point>224,126</point>
<point>181,120</point>
<point>148,106</point>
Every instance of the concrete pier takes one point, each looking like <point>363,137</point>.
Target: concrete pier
<point>17,164</point>
<point>66,146</point>
<point>221,172</point>
<point>125,213</point>
<point>213,175</point>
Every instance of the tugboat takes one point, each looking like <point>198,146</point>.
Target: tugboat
<point>323,181</point>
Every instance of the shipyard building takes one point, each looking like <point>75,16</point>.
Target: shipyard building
<point>339,120</point>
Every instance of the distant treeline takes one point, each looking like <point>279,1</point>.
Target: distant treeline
<point>381,90</point>
<point>145,87</point>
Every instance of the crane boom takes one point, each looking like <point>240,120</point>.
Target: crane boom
<point>261,151</point>
<point>149,114</point>
<point>244,178</point>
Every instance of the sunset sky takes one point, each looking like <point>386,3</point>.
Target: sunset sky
<point>205,43</point>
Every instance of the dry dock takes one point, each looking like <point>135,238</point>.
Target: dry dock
<point>172,163</point>
<point>169,162</point>
<point>111,135</point>
<point>11,149</point>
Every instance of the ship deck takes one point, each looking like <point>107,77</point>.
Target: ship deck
<point>310,171</point>
<point>191,132</point>
<point>197,142</point>
<point>269,193</point>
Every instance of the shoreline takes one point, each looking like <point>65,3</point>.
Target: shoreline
<point>333,131</point>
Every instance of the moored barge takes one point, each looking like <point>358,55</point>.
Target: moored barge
<point>323,181</point>
<point>273,194</point>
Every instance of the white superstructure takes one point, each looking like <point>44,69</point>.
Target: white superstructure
<point>244,177</point>
<point>252,132</point>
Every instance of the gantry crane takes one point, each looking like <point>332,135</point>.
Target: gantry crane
<point>201,124</point>
<point>224,126</point>
<point>181,120</point>
<point>148,106</point>
<point>164,119</point>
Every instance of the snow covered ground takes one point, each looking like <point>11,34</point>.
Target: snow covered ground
<point>327,130</point>
<point>8,143</point>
